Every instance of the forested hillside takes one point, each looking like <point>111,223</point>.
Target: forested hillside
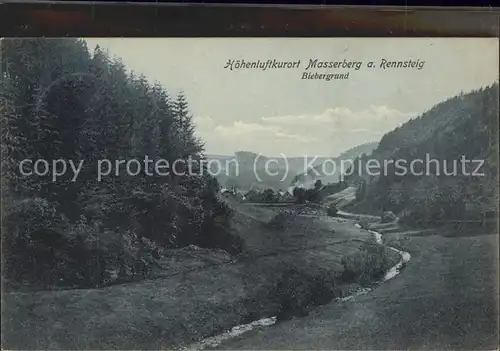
<point>464,127</point>
<point>62,101</point>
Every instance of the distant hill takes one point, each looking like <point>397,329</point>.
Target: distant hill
<point>246,169</point>
<point>295,164</point>
<point>288,172</point>
<point>464,126</point>
<point>328,170</point>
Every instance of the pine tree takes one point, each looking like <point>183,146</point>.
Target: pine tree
<point>184,123</point>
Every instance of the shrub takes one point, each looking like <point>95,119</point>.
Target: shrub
<point>298,290</point>
<point>278,221</point>
<point>332,210</point>
<point>369,262</point>
<point>33,235</point>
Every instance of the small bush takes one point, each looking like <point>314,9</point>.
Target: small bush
<point>41,248</point>
<point>278,221</point>
<point>369,263</point>
<point>34,234</point>
<point>332,210</point>
<point>299,290</point>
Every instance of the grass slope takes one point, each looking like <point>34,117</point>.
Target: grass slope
<point>199,293</point>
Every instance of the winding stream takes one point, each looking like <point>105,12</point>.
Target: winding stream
<point>216,340</point>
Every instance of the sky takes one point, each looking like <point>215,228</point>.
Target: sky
<point>276,112</point>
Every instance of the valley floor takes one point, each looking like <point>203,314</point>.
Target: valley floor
<point>197,292</point>
<point>446,298</point>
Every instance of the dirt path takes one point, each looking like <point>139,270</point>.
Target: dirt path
<point>447,297</point>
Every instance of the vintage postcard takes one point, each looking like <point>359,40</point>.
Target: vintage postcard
<point>250,193</point>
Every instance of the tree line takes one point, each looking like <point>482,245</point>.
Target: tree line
<point>464,126</point>
<point>61,100</point>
